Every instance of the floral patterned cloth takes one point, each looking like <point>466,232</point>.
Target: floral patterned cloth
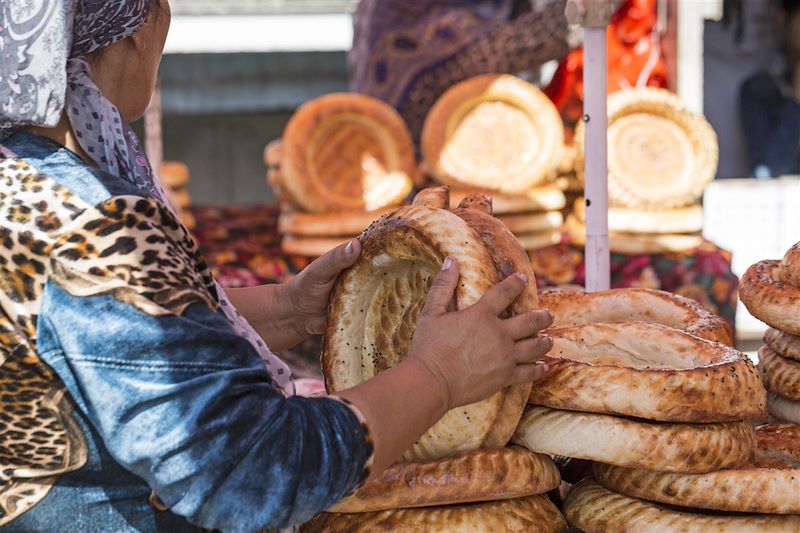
<point>243,247</point>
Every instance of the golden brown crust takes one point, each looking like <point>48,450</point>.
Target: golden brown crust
<point>545,197</point>
<point>783,408</point>
<point>537,241</point>
<point>595,509</point>
<point>475,476</point>
<point>495,132</point>
<point>769,298</point>
<point>346,152</point>
<point>648,371</point>
<point>533,222</point>
<point>635,244</point>
<point>660,155</point>
<point>311,246</point>
<point>690,448</point>
<point>780,375</point>
<point>783,344</point>
<point>273,153</point>
<point>573,308</point>
<point>341,224</point>
<point>790,266</point>
<point>687,219</point>
<point>376,303</point>
<point>529,514</point>
<point>778,445</point>
<point>747,490</point>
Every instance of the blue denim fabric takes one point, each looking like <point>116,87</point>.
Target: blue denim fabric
<point>186,405</point>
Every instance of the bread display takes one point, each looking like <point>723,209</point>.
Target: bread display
<point>770,297</point>
<point>542,198</point>
<point>494,131</point>
<point>783,343</point>
<point>342,224</point>
<point>376,303</point>
<point>513,473</point>
<point>783,408</point>
<point>575,308</point>
<point>781,375</point>
<point>594,509</point>
<point>666,447</point>
<point>678,220</point>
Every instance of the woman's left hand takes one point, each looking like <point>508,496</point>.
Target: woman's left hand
<point>308,293</point>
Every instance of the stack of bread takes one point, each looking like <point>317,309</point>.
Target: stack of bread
<point>344,159</point>
<point>645,385</point>
<point>460,475</point>
<point>661,156</point>
<point>175,179</point>
<point>771,291</point>
<point>501,136</point>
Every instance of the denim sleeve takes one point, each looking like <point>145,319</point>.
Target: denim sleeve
<point>186,404</point>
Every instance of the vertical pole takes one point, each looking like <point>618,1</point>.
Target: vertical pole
<point>153,137</point>
<point>595,76</point>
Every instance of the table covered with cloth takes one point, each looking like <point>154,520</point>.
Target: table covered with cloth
<point>243,248</point>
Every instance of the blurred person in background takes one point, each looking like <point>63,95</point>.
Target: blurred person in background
<point>408,53</point>
<point>770,103</point>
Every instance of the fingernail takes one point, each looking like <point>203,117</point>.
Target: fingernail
<point>350,248</point>
<point>522,277</point>
<point>448,263</point>
<point>547,338</point>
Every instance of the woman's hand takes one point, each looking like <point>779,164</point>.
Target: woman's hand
<point>288,313</point>
<point>474,353</point>
<point>307,294</point>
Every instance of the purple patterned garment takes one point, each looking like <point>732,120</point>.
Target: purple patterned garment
<point>44,44</point>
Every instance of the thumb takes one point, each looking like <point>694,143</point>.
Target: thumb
<point>442,289</point>
<point>330,265</point>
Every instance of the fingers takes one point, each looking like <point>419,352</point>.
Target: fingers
<point>528,324</point>
<point>330,265</point>
<point>443,288</point>
<point>530,350</point>
<point>498,298</point>
<point>529,373</point>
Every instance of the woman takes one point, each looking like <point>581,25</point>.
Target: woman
<point>135,395</point>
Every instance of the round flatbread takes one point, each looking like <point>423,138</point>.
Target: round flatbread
<point>688,219</point>
<point>632,244</point>
<point>495,132</point>
<point>345,152</point>
<point>543,198</point>
<point>660,154</point>
<point>514,472</point>
<point>342,224</point>
<point>594,509</point>
<point>665,447</point>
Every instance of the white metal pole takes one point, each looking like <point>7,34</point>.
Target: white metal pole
<point>597,256</point>
<point>594,16</point>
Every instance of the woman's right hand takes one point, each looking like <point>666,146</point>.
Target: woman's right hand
<point>474,353</point>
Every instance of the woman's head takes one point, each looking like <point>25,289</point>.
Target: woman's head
<point>126,71</point>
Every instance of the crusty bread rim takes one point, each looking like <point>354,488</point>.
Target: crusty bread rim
<point>690,448</point>
<point>460,99</point>
<point>783,344</point>
<point>648,371</point>
<point>687,219</point>
<point>544,197</point>
<point>748,490</point>
<point>780,374</point>
<point>530,513</point>
<point>769,299</point>
<point>594,509</point>
<point>301,182</point>
<point>514,472</point>
<point>573,308</point>
<point>778,445</point>
<point>635,244</point>
<point>339,224</point>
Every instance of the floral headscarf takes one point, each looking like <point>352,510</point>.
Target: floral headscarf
<point>44,72</point>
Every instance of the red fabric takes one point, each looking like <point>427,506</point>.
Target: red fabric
<point>634,59</point>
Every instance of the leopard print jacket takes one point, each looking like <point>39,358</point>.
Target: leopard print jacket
<point>113,247</point>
